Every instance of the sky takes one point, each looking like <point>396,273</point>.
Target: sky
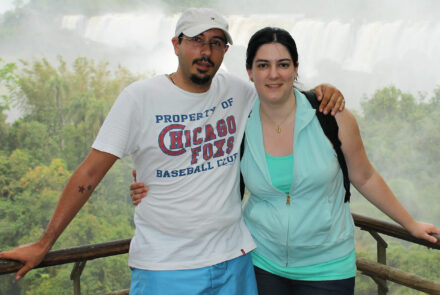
<point>6,5</point>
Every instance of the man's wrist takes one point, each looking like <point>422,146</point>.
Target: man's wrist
<point>46,242</point>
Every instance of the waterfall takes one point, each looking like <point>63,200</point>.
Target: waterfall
<point>357,56</point>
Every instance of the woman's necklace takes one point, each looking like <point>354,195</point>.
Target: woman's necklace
<point>278,125</point>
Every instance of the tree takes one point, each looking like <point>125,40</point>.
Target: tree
<point>7,84</point>
<point>64,108</point>
<point>70,105</point>
<point>12,168</point>
<point>33,137</point>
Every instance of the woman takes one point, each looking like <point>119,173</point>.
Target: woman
<point>296,211</point>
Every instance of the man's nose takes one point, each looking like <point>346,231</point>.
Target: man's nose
<point>206,49</point>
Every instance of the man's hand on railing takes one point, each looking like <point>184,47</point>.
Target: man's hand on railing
<point>30,255</point>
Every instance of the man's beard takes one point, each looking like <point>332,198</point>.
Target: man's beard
<point>200,80</point>
<point>204,80</point>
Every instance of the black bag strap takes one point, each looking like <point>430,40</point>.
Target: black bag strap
<point>330,128</point>
<point>242,186</point>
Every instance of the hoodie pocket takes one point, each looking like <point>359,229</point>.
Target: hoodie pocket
<point>310,225</point>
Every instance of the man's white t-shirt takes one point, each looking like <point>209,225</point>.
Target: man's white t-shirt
<point>185,147</point>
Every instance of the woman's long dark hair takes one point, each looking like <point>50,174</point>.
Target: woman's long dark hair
<point>270,35</point>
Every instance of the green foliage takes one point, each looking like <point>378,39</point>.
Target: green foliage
<point>64,109</point>
<point>7,81</point>
<point>12,169</point>
<point>7,84</point>
<point>98,221</point>
<point>34,138</point>
<point>401,137</point>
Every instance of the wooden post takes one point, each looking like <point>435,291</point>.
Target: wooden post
<point>75,276</point>
<point>382,288</point>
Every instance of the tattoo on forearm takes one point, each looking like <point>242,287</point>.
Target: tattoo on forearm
<point>82,189</point>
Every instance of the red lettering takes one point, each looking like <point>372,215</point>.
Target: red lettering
<point>209,133</point>
<point>231,124</point>
<point>188,138</point>
<point>162,138</point>
<point>196,140</point>
<point>194,154</point>
<point>219,145</point>
<point>222,130</point>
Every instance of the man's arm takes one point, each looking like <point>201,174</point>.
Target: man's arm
<point>75,194</point>
<point>330,97</point>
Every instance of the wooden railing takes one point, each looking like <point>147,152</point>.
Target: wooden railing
<point>378,271</point>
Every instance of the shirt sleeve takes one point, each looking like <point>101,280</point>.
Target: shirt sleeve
<point>117,134</point>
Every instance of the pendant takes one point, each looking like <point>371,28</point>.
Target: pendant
<point>278,130</point>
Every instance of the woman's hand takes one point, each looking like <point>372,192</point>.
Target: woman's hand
<point>138,190</point>
<point>423,230</point>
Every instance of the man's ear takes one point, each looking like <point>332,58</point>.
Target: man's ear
<point>176,45</point>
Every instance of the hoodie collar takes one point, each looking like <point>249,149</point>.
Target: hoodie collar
<point>304,114</point>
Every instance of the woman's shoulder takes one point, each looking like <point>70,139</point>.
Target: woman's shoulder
<point>349,132</point>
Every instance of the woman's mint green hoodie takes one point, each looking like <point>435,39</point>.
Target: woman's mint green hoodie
<point>311,224</point>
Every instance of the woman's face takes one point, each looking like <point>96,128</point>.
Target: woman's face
<point>273,72</point>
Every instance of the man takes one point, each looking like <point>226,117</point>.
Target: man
<point>183,132</point>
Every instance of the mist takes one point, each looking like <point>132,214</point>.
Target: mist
<point>358,46</point>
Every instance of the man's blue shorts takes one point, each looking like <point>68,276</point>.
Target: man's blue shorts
<point>233,277</point>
